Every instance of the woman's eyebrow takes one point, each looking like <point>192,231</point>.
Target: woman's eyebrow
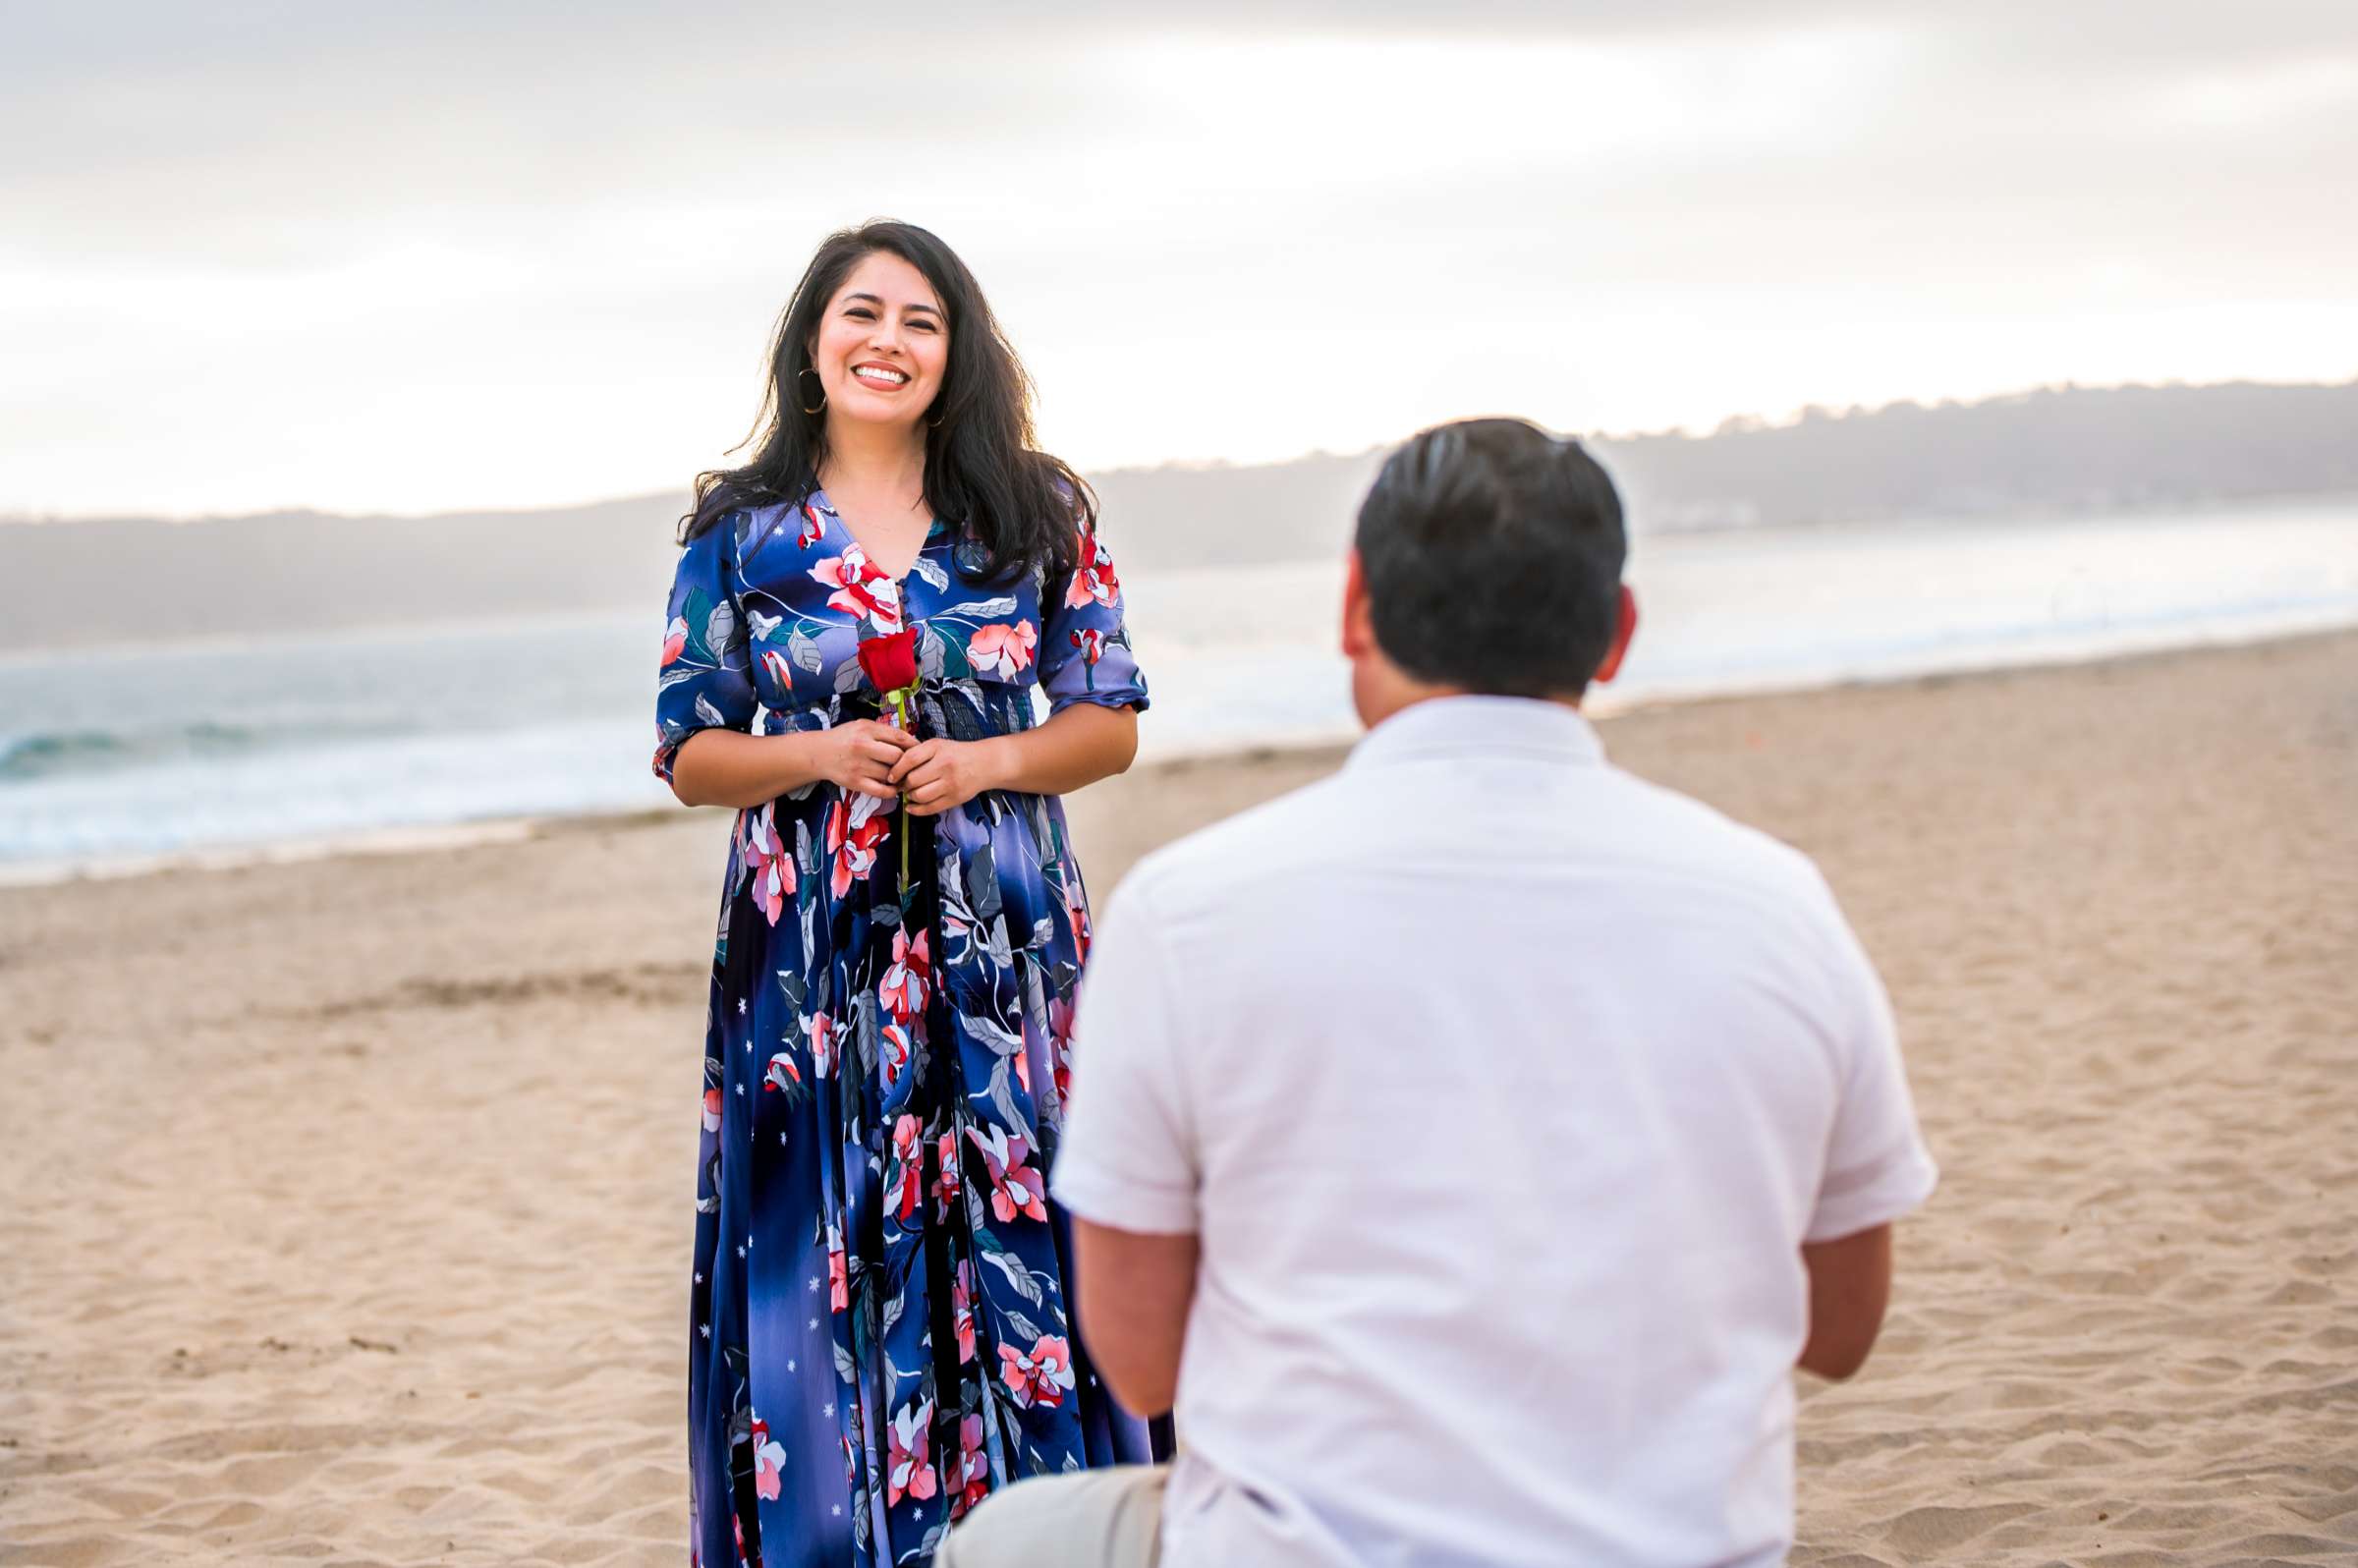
<point>879,304</point>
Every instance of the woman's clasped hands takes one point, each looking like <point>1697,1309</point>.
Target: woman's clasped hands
<point>940,775</point>
<point>868,757</point>
<point>859,758</point>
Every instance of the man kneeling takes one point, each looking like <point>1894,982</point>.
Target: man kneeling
<point>1471,1144</point>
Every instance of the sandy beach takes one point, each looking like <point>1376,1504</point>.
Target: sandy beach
<point>348,1203</point>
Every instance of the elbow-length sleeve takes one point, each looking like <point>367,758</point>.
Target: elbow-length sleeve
<point>1085,654</point>
<point>706,679</point>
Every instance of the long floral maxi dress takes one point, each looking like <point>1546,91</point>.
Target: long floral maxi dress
<point>880,1329</point>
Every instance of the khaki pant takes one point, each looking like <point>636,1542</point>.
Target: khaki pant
<point>1095,1519</point>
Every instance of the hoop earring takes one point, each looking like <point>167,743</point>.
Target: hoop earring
<point>797,391</point>
<point>934,423</point>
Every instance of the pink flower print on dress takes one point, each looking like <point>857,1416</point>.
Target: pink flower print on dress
<point>969,1483</point>
<point>853,833</point>
<point>675,640</point>
<point>1094,578</point>
<point>860,588</point>
<point>1002,649</point>
<point>904,988</point>
<point>821,1029</point>
<point>911,1473</point>
<point>839,1279</point>
<point>770,865</point>
<point>1092,643</point>
<point>711,1110</point>
<point>1015,1186</point>
<point>907,1188</point>
<point>769,1460</point>
<point>1060,1047</point>
<point>1075,914</point>
<point>952,1178</point>
<point>962,1306</point>
<point>815,527</point>
<point>1041,1377</point>
<point>779,671</point>
<point>782,1072</point>
<point>897,1046</point>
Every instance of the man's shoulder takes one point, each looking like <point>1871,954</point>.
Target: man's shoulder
<point>1689,839</point>
<point>1220,861</point>
<point>1700,832</point>
<point>1295,850</point>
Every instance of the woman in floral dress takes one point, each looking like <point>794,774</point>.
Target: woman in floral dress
<point>880,1331</point>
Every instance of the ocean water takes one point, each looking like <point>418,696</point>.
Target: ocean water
<point>119,759</point>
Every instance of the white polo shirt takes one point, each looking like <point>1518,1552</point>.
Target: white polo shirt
<point>1502,1088</point>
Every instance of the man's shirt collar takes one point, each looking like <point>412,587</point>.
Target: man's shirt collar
<point>1472,727</point>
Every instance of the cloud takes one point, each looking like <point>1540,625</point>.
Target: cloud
<point>537,248</point>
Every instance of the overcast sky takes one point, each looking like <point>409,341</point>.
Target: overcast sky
<point>442,254</point>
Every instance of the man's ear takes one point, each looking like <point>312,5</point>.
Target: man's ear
<point>1625,628</point>
<point>1358,622</point>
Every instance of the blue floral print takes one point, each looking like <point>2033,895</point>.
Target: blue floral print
<point>881,1335</point>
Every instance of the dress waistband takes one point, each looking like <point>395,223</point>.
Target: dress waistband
<point>962,710</point>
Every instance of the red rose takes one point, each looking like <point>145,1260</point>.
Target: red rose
<point>890,662</point>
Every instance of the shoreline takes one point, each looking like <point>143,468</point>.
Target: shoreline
<point>1606,709</point>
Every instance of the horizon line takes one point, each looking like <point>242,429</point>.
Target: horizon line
<point>1729,425</point>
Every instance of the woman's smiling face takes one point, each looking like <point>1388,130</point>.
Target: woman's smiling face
<point>884,344</point>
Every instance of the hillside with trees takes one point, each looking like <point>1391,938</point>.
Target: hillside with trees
<point>2049,453</point>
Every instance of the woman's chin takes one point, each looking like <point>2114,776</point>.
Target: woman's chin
<point>870,412</point>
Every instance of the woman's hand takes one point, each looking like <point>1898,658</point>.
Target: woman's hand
<point>936,776</point>
<point>861,757</point>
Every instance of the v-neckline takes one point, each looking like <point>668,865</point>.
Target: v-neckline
<point>826,504</point>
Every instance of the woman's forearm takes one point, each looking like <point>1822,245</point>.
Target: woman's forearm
<point>1076,748</point>
<point>729,767</point>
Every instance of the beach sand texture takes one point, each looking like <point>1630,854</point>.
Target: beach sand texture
<point>346,1204</point>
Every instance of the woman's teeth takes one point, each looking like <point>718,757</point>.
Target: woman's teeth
<point>881,377</point>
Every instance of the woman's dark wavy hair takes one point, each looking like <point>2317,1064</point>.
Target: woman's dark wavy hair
<point>983,471</point>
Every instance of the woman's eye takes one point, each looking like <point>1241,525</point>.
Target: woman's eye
<point>861,312</point>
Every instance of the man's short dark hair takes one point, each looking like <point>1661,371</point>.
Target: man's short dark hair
<point>1493,556</point>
